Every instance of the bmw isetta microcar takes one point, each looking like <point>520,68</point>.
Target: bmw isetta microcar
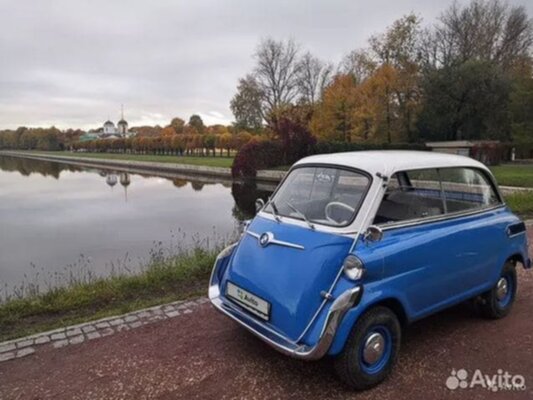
<point>353,246</point>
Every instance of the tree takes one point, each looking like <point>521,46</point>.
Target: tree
<point>276,73</point>
<point>195,122</point>
<point>358,63</point>
<point>467,101</point>
<point>521,103</point>
<point>333,118</point>
<point>168,131</point>
<point>209,142</point>
<point>247,105</point>
<point>396,50</point>
<point>292,128</point>
<point>313,76</point>
<point>225,142</point>
<point>483,30</point>
<point>178,124</point>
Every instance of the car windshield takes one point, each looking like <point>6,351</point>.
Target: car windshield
<point>323,195</point>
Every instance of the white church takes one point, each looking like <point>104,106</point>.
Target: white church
<point>121,130</point>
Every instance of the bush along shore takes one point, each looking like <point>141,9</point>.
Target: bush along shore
<point>164,279</point>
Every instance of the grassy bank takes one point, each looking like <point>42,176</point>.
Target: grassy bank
<point>165,280</point>
<point>208,161</point>
<point>521,203</point>
<point>514,175</point>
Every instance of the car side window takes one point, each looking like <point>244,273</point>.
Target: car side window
<point>411,195</point>
<point>424,193</point>
<point>467,189</point>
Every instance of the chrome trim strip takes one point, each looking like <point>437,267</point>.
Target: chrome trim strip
<point>287,244</point>
<point>512,235</point>
<point>272,240</point>
<point>438,218</point>
<point>301,351</point>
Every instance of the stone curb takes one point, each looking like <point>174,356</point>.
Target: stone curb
<point>76,334</point>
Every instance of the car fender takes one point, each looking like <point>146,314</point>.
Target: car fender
<point>372,296</point>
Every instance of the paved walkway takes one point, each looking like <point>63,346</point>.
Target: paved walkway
<point>77,334</point>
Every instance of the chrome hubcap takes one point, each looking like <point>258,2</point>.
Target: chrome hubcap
<point>374,348</point>
<point>502,288</point>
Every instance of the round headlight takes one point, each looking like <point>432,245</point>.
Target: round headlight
<point>353,267</point>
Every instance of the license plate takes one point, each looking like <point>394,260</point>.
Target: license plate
<point>249,301</point>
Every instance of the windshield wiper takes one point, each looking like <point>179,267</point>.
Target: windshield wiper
<point>274,210</point>
<point>301,214</point>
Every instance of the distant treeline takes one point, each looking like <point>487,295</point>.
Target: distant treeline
<point>37,138</point>
<point>176,144</point>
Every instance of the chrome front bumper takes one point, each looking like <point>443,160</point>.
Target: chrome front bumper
<point>340,306</point>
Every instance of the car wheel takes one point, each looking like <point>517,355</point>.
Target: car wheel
<point>371,349</point>
<point>497,302</point>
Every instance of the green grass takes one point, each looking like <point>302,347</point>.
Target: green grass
<point>514,175</point>
<point>521,203</point>
<point>174,278</point>
<point>209,161</point>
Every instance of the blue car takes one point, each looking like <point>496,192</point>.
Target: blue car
<point>352,247</point>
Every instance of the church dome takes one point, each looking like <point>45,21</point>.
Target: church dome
<point>109,123</point>
<point>122,122</point>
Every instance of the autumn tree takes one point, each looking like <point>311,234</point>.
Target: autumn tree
<point>333,118</point>
<point>168,131</point>
<point>397,50</point>
<point>292,129</point>
<point>359,64</point>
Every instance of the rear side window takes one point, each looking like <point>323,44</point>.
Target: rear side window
<point>466,189</point>
<point>426,193</point>
<point>411,195</point>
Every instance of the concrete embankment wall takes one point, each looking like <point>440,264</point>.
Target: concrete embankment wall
<point>165,169</point>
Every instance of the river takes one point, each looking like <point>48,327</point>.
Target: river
<point>60,222</point>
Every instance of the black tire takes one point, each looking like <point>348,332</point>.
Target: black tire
<point>491,305</point>
<point>350,364</point>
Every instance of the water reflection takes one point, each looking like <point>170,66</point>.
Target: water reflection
<point>52,214</point>
<point>26,167</point>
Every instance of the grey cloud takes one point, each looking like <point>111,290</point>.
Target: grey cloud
<point>72,63</point>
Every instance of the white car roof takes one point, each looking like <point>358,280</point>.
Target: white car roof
<point>390,161</point>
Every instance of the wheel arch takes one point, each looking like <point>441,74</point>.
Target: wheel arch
<point>351,318</point>
<point>516,258</point>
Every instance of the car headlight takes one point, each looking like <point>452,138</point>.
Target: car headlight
<point>353,268</point>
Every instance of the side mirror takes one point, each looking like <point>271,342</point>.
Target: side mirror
<point>259,204</point>
<point>373,233</point>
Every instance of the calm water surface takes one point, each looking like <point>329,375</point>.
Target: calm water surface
<point>57,219</point>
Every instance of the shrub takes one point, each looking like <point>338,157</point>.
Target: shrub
<point>256,155</point>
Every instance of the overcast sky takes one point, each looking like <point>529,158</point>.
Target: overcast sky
<point>72,63</point>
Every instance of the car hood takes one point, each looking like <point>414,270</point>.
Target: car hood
<point>290,278</point>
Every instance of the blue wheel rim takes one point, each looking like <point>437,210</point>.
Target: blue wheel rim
<point>506,300</point>
<point>382,362</point>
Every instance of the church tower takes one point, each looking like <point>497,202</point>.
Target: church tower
<point>122,125</point>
